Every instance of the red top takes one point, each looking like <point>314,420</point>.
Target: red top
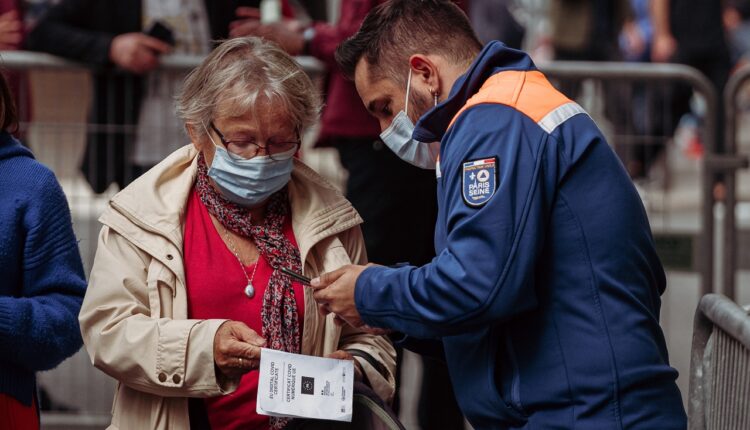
<point>215,290</point>
<point>15,415</point>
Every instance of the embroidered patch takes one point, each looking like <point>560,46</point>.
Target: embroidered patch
<point>479,181</point>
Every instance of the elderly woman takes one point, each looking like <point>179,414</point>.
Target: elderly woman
<point>186,286</point>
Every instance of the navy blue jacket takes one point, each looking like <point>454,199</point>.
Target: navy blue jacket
<point>546,288</point>
<point>42,283</point>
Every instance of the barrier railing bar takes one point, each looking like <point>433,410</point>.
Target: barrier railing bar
<point>736,82</point>
<point>665,72</point>
<point>23,60</point>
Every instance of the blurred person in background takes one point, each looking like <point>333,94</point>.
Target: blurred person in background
<point>737,25</point>
<point>186,285</point>
<point>588,30</point>
<point>494,20</point>
<point>635,46</point>
<point>691,32</point>
<point>637,34</point>
<point>395,199</point>
<point>43,280</point>
<point>133,126</point>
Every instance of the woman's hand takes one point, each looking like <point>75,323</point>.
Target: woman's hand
<point>237,349</point>
<point>343,355</point>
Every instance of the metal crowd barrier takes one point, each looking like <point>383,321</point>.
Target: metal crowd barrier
<point>731,164</point>
<point>720,366</point>
<point>25,60</point>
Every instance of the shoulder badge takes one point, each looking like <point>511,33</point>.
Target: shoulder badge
<point>479,181</point>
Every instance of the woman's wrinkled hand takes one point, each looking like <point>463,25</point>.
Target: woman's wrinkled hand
<point>237,349</point>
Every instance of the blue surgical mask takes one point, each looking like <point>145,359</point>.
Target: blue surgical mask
<point>249,183</point>
<point>398,137</point>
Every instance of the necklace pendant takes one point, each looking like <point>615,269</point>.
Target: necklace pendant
<point>250,290</point>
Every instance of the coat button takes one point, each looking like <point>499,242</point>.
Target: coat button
<point>170,257</point>
<point>176,379</point>
<point>162,377</point>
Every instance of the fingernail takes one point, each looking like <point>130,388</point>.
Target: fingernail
<point>315,282</point>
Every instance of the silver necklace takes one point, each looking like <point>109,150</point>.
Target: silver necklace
<point>249,288</point>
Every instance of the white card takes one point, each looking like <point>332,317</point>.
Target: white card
<point>301,386</point>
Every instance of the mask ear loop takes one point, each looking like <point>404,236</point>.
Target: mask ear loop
<point>408,87</point>
<point>208,134</point>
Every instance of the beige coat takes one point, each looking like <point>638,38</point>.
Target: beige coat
<point>134,318</point>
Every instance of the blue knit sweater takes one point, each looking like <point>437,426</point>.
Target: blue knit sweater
<point>41,275</point>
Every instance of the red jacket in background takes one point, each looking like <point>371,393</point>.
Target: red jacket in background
<point>344,115</point>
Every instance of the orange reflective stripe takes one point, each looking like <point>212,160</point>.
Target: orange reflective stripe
<point>528,92</point>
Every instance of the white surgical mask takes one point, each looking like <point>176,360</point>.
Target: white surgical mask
<point>398,137</point>
<point>249,183</point>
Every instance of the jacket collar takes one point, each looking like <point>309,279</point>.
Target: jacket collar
<point>494,58</point>
<point>156,202</point>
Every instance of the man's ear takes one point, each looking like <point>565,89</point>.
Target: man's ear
<point>424,70</point>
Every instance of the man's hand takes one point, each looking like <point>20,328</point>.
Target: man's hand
<point>343,355</point>
<point>287,33</point>
<point>334,292</point>
<point>10,30</point>
<point>237,349</point>
<point>137,52</point>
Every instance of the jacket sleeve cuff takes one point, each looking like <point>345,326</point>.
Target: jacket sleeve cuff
<point>361,295</point>
<point>185,356</point>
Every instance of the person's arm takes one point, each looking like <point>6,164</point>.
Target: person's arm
<point>39,329</point>
<point>11,27</point>
<point>154,354</point>
<point>328,37</point>
<point>62,31</point>
<point>375,354</point>
<point>486,272</point>
<point>664,44</point>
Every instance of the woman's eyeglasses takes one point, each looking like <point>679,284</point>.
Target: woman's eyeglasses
<point>248,149</point>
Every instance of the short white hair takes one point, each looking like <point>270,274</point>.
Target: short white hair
<point>239,71</point>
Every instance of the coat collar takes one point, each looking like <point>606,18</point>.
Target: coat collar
<point>156,202</point>
<point>494,58</point>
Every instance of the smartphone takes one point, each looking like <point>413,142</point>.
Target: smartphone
<point>296,276</point>
<point>161,31</point>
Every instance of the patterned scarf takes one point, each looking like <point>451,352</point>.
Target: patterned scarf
<point>279,313</point>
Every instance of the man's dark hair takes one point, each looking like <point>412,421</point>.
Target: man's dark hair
<point>398,29</point>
